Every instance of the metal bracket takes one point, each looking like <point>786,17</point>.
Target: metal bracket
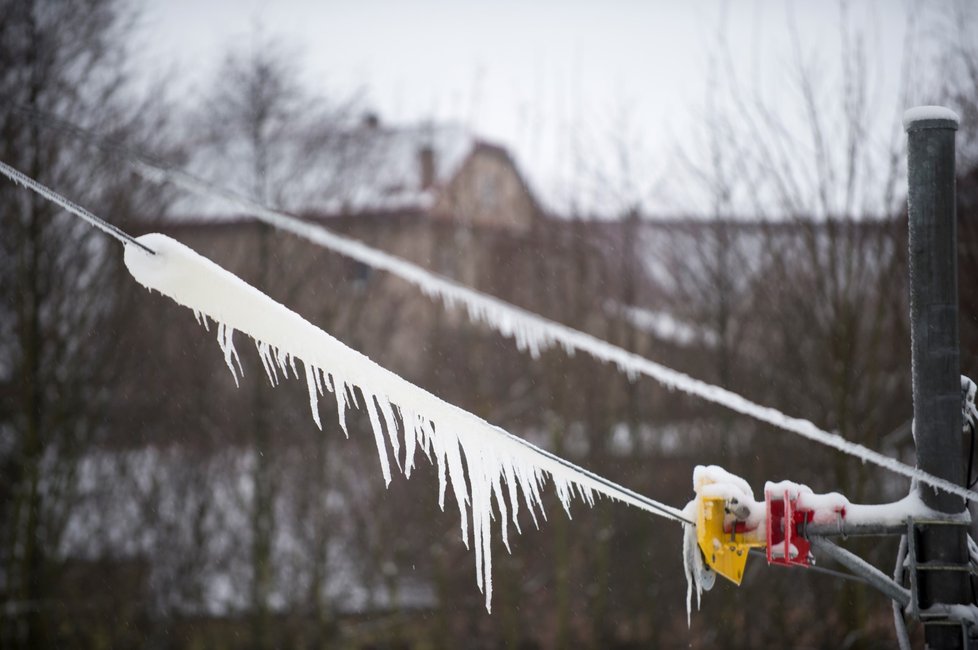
<point>861,567</point>
<point>936,615</point>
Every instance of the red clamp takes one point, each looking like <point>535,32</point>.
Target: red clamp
<point>789,511</point>
<point>786,543</point>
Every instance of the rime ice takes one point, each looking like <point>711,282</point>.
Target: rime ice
<point>534,333</point>
<point>452,438</point>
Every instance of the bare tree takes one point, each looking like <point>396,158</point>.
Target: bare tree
<point>266,135</point>
<point>959,58</point>
<point>806,245</point>
<point>60,282</point>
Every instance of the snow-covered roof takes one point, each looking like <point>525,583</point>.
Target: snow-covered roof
<point>368,168</point>
<point>384,170</point>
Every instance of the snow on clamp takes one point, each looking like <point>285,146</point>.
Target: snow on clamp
<point>787,523</point>
<point>729,522</point>
<point>724,541</point>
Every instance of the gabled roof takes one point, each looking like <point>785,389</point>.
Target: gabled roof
<point>382,170</point>
<point>368,169</point>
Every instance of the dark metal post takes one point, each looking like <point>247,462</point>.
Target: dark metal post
<point>943,550</point>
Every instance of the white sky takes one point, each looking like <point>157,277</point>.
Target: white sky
<point>556,81</point>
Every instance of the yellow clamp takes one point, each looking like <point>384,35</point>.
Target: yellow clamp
<point>724,551</point>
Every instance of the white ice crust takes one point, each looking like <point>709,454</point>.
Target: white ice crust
<point>535,333</point>
<point>481,462</point>
<point>920,113</point>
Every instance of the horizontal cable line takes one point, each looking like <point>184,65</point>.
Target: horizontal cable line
<point>73,208</point>
<point>529,330</point>
<point>623,494</point>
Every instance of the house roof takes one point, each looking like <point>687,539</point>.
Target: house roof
<point>384,170</point>
<point>369,169</point>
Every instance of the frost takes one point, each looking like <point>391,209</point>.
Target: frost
<point>535,333</point>
<point>453,439</point>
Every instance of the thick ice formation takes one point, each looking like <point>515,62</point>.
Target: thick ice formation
<point>534,333</point>
<point>476,458</point>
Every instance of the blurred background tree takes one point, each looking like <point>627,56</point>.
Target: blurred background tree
<point>146,501</point>
<point>59,283</point>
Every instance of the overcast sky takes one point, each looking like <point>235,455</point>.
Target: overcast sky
<point>555,81</point>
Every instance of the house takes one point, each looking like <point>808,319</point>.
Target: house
<point>436,195</point>
<point>441,171</point>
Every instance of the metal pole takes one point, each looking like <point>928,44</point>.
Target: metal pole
<point>934,347</point>
<point>864,569</point>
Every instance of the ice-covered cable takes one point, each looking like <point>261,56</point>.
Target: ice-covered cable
<point>535,333</point>
<point>76,210</point>
<point>529,330</point>
<point>231,356</point>
<point>484,465</point>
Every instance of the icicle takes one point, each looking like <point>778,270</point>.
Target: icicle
<point>391,422</point>
<point>410,422</point>
<point>311,382</point>
<point>457,475</point>
<point>283,362</point>
<point>513,487</point>
<point>339,392</point>
<point>689,539</point>
<point>317,375</point>
<point>443,479</point>
<point>225,336</point>
<point>427,428</point>
<point>693,568</point>
<point>497,490</point>
<point>530,496</point>
<point>385,466</point>
<point>266,362</point>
